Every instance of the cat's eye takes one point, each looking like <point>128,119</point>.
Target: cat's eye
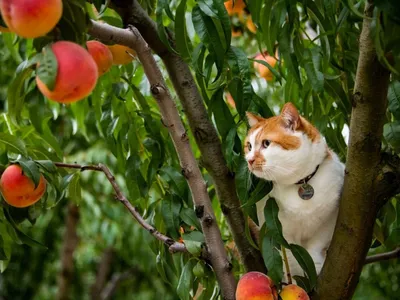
<point>265,143</point>
<point>249,146</point>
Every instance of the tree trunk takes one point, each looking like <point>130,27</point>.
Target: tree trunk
<point>103,272</point>
<point>361,198</point>
<point>67,254</point>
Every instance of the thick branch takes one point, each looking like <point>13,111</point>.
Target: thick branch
<point>67,255</point>
<point>190,169</point>
<point>362,194</point>
<point>202,128</point>
<point>170,243</point>
<point>383,256</point>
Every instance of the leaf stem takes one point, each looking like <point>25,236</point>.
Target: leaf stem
<point>285,260</point>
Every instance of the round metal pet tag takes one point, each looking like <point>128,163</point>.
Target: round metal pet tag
<point>306,191</point>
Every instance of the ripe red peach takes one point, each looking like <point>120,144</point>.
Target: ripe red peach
<point>262,70</point>
<point>293,292</point>
<point>255,286</point>
<point>18,189</point>
<point>76,74</point>
<point>101,55</point>
<point>31,18</point>
<point>122,55</point>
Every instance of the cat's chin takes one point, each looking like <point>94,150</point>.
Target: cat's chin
<point>260,174</point>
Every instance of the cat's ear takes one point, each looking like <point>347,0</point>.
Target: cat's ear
<point>253,119</point>
<point>290,116</point>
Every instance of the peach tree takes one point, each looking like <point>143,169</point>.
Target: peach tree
<point>134,113</point>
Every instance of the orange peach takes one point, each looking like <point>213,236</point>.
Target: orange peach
<point>76,74</point>
<point>293,292</point>
<point>234,7</point>
<point>230,100</point>
<point>101,55</point>
<point>250,25</point>
<point>122,55</point>
<point>262,70</point>
<point>31,18</point>
<point>18,189</point>
<point>255,286</point>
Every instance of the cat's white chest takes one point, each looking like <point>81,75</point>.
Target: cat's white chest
<point>303,219</point>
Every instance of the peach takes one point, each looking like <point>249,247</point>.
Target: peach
<point>236,7</point>
<point>121,54</point>
<point>230,100</point>
<point>293,292</point>
<point>255,286</point>
<point>31,18</point>
<point>250,25</point>
<point>262,70</point>
<point>101,55</point>
<point>18,189</point>
<point>76,73</point>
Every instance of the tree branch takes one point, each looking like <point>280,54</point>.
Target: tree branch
<point>103,271</point>
<point>364,177</point>
<point>383,256</point>
<point>201,126</point>
<point>170,243</point>
<point>190,168</point>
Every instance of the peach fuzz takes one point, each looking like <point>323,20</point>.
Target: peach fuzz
<point>262,70</point>
<point>101,55</point>
<point>293,292</point>
<point>121,54</point>
<point>31,18</point>
<point>19,190</point>
<point>255,286</point>
<point>76,74</point>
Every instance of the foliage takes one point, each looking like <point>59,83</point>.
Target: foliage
<point>119,125</point>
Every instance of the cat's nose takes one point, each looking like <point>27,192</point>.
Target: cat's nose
<point>251,161</point>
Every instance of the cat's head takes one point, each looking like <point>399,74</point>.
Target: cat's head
<point>284,148</point>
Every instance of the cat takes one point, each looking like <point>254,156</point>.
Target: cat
<point>288,150</point>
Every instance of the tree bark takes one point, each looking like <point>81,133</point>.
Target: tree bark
<point>362,195</point>
<point>103,272</point>
<point>67,254</point>
<point>202,128</point>
<point>190,168</point>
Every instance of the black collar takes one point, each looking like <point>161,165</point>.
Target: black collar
<point>308,178</point>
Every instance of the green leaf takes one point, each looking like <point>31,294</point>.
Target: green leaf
<point>272,223</point>
<point>185,281</point>
<point>183,44</point>
<point>74,188</point>
<point>222,115</point>
<point>198,269</point>
<point>394,99</point>
<point>189,217</point>
<point>272,259</point>
<point>210,35</point>
<point>30,169</point>
<point>13,143</point>
<point>170,209</point>
<point>48,165</point>
<point>21,235</point>
<point>303,282</point>
<point>312,65</point>
<point>48,67</point>
<point>391,132</point>
<point>306,262</point>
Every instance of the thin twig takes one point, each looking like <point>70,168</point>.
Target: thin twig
<point>173,246</point>
<point>285,260</point>
<point>383,256</point>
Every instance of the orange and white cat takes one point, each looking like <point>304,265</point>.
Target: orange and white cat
<point>290,152</point>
